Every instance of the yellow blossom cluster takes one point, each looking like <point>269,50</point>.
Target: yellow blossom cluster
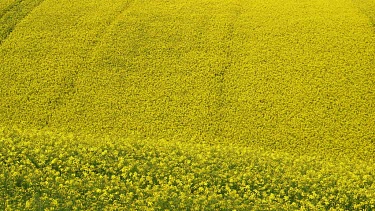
<point>187,105</point>
<point>42,170</point>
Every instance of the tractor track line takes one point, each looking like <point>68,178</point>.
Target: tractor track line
<point>14,14</point>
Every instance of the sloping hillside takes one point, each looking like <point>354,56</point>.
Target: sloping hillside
<point>187,104</point>
<point>282,73</point>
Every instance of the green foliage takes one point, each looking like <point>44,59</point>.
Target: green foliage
<point>49,171</point>
<point>5,5</point>
<point>12,12</point>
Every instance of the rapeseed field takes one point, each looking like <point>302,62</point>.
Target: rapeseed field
<point>187,104</point>
<point>42,170</point>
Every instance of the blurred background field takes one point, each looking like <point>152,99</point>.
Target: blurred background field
<point>283,79</point>
<point>280,73</point>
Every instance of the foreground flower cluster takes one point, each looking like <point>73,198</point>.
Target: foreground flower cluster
<point>49,171</point>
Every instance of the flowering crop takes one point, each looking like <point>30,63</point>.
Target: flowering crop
<point>48,171</point>
<point>281,73</point>
<point>187,104</point>
<point>12,12</point>
<point>367,7</point>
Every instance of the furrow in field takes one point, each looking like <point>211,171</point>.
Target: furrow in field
<point>227,53</point>
<point>278,73</point>
<point>96,43</point>
<point>101,37</point>
<point>48,50</point>
<point>7,5</point>
<point>165,71</point>
<point>13,14</point>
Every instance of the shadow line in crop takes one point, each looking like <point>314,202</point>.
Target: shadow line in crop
<point>14,14</point>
